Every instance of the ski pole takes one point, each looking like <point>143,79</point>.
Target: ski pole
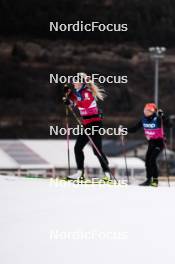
<point>68,145</point>
<point>167,167</point>
<point>92,142</point>
<point>165,150</point>
<point>67,128</point>
<point>125,158</point>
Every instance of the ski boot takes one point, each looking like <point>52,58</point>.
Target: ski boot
<point>154,182</point>
<point>79,175</point>
<point>146,183</point>
<point>106,177</point>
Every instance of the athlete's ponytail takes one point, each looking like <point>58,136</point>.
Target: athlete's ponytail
<point>97,92</point>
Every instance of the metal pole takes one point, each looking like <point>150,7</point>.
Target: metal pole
<point>68,143</point>
<point>172,118</point>
<point>171,138</point>
<point>156,54</point>
<point>156,91</point>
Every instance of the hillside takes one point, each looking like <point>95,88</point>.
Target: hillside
<point>29,103</point>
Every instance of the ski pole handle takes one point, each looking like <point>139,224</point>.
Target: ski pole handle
<point>66,101</point>
<point>67,89</point>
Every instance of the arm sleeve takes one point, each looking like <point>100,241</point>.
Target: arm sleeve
<point>135,128</point>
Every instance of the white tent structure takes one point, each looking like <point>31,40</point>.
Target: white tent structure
<point>6,162</point>
<point>55,152</point>
<point>17,158</point>
<point>134,166</point>
<point>33,155</point>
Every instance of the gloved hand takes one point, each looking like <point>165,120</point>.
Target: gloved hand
<point>160,112</point>
<point>67,88</point>
<point>66,101</point>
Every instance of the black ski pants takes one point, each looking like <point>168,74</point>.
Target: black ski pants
<point>155,147</point>
<point>82,140</point>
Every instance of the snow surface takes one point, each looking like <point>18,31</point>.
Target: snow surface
<point>39,219</point>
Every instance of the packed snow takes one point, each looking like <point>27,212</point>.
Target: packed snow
<point>46,222</point>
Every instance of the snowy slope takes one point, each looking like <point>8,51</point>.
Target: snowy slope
<point>113,224</point>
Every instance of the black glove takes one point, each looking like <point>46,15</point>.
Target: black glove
<point>66,101</point>
<point>67,88</point>
<point>160,113</point>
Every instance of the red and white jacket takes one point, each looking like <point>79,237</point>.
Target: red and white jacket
<point>87,106</point>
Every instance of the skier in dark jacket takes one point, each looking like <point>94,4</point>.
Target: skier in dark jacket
<point>153,122</point>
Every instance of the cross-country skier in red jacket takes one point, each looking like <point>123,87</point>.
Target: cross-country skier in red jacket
<point>85,99</point>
